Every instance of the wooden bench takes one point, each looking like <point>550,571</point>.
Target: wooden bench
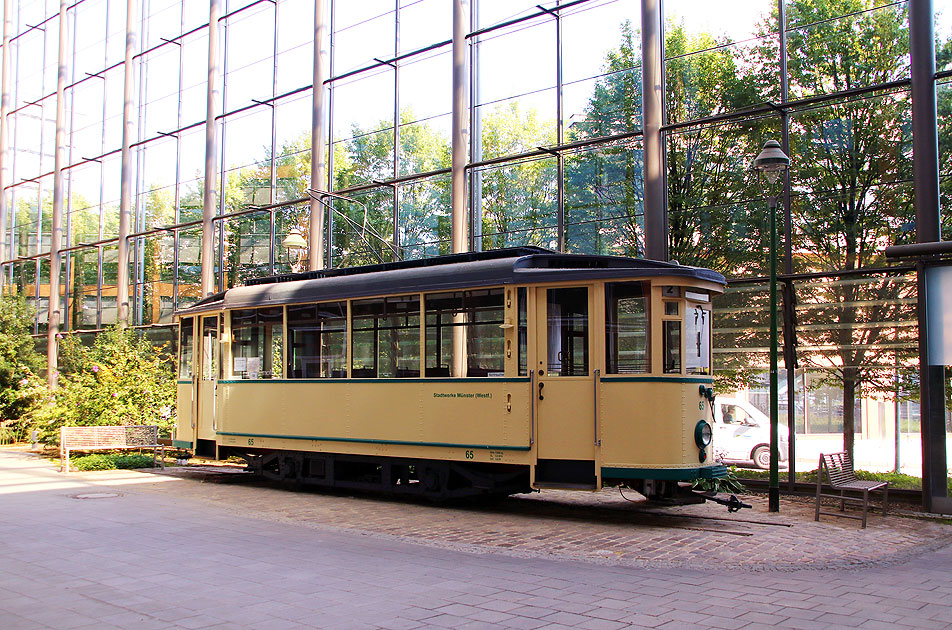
<point>103,438</point>
<point>839,473</point>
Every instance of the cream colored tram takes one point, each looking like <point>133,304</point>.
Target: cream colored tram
<point>494,372</point>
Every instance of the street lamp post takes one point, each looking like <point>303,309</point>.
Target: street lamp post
<point>771,164</point>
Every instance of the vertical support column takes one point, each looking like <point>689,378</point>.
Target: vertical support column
<point>925,173</point>
<point>460,132</point>
<point>211,148</point>
<point>656,246</point>
<point>4,111</point>
<point>125,190</point>
<point>56,232</point>
<point>789,293</point>
<point>315,258</point>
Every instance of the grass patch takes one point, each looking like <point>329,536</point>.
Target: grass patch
<point>110,461</point>
<point>896,480</point>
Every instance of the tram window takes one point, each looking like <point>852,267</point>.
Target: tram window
<point>672,347</point>
<point>523,333</point>
<point>568,332</point>
<point>257,343</point>
<point>317,340</point>
<point>626,328</point>
<point>386,337</point>
<point>186,339</point>
<point>465,323</point>
<point>210,349</point>
<point>697,357</point>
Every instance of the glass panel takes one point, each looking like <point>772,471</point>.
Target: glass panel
<point>247,247</point>
<point>317,340</point>
<point>604,200</point>
<point>567,313</point>
<point>186,337</point>
<point>853,180</point>
<point>210,348</point>
<point>824,38</point>
<point>425,217</point>
<point>697,357</point>
<point>627,337</point>
<point>517,204</point>
<point>257,346</point>
<point>523,333</point>
<point>717,215</point>
<point>671,347</point>
<point>465,323</point>
<point>386,337</point>
<point>84,288</point>
<point>189,272</point>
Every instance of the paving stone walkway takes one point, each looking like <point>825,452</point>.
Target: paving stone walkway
<point>140,550</point>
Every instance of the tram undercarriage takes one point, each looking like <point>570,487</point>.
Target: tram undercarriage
<point>432,479</point>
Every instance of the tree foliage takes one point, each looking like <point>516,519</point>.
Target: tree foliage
<point>21,386</point>
<point>122,379</point>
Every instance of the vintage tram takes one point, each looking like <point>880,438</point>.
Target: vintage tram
<point>481,373</point>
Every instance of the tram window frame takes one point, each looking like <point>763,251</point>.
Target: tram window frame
<point>186,369</point>
<point>395,358</point>
<point>523,330</point>
<point>483,339</point>
<point>620,332</point>
<point>704,337</point>
<point>672,338</point>
<point>565,327</point>
<point>325,333</point>
<point>257,334</point>
<point>211,352</point>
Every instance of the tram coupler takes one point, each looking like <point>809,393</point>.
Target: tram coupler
<point>733,503</point>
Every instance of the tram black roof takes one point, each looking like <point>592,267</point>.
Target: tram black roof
<point>515,265</point>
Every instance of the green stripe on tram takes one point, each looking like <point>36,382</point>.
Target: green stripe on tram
<point>371,441</point>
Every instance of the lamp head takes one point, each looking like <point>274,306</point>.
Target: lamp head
<point>771,162</point>
<point>294,240</point>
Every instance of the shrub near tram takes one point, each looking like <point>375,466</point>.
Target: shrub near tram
<point>122,379</point>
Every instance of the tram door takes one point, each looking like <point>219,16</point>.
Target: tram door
<point>565,388</point>
<point>207,385</point>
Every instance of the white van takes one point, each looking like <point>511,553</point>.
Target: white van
<point>742,433</point>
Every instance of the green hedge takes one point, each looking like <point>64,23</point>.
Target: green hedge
<point>110,461</point>
<point>896,480</point>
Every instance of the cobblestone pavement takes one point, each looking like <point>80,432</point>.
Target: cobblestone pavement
<point>139,550</point>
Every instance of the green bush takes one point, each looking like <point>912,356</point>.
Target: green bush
<point>896,480</point>
<point>21,387</point>
<point>728,484</point>
<point>110,461</point>
<point>122,379</point>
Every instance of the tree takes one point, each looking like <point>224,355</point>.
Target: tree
<point>20,384</point>
<point>121,379</point>
<point>852,157</point>
<point>709,192</point>
<point>604,186</point>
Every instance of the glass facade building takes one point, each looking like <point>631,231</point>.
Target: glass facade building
<point>198,120</point>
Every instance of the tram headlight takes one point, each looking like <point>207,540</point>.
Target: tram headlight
<point>702,434</point>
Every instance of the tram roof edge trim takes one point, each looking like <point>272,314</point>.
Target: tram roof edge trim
<point>460,272</point>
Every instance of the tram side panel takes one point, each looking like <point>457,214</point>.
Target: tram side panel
<point>486,421</point>
<point>650,425</point>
